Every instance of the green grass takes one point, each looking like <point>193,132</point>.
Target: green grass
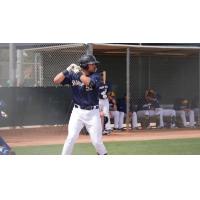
<point>152,147</point>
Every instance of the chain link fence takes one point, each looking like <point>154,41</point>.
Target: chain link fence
<point>31,97</point>
<point>36,64</point>
<point>50,60</point>
<point>171,74</point>
<point>4,67</point>
<point>174,76</point>
<point>159,86</point>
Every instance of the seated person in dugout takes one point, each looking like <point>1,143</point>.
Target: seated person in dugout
<point>171,114</point>
<point>113,109</point>
<point>121,106</point>
<point>184,110</point>
<point>149,106</point>
<point>195,105</point>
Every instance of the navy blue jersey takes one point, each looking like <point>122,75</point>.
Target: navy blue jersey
<point>182,104</point>
<point>82,95</point>
<point>103,90</point>
<point>143,104</point>
<point>121,105</point>
<point>112,104</point>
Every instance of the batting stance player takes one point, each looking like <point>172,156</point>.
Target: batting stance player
<point>84,82</point>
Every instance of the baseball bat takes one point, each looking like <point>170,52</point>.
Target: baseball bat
<point>104,77</point>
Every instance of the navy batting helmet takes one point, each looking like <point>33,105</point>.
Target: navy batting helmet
<point>85,60</point>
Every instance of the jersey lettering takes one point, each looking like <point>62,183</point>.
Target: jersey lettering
<point>84,95</point>
<point>77,83</point>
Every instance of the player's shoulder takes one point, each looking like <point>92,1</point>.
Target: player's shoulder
<point>73,75</point>
<point>95,74</point>
<point>96,77</point>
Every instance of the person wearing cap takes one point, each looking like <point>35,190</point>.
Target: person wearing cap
<point>121,107</point>
<point>114,113</point>
<point>85,82</point>
<point>184,110</point>
<point>149,106</point>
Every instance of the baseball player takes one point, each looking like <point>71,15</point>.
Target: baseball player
<point>183,110</point>
<point>196,109</point>
<point>114,113</point>
<point>5,149</point>
<point>172,114</point>
<point>104,89</point>
<point>2,110</point>
<point>121,106</point>
<point>85,83</point>
<point>149,106</point>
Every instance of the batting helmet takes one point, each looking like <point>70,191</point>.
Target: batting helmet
<point>85,60</point>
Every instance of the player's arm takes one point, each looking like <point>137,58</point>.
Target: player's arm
<point>59,78</point>
<point>85,80</point>
<point>92,81</point>
<point>114,104</point>
<point>63,77</point>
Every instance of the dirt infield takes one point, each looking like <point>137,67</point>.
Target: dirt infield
<point>57,135</point>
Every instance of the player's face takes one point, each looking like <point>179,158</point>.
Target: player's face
<point>92,68</point>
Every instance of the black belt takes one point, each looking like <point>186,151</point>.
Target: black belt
<point>86,107</point>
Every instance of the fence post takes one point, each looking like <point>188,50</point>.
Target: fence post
<point>19,71</point>
<point>12,64</point>
<point>127,87</point>
<point>198,123</point>
<point>89,48</point>
<point>149,72</point>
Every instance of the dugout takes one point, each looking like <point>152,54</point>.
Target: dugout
<point>173,70</point>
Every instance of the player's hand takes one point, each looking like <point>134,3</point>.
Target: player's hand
<point>71,67</point>
<point>75,68</point>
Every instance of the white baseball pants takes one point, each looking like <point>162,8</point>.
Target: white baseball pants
<point>121,120</point>
<point>104,107</point>
<point>149,113</point>
<point>115,115</point>
<point>134,120</point>
<point>92,121</point>
<point>169,113</point>
<point>183,114</point>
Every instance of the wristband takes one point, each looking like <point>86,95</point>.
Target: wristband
<point>79,74</point>
<point>65,72</point>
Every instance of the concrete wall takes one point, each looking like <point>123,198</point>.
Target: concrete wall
<point>36,106</point>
